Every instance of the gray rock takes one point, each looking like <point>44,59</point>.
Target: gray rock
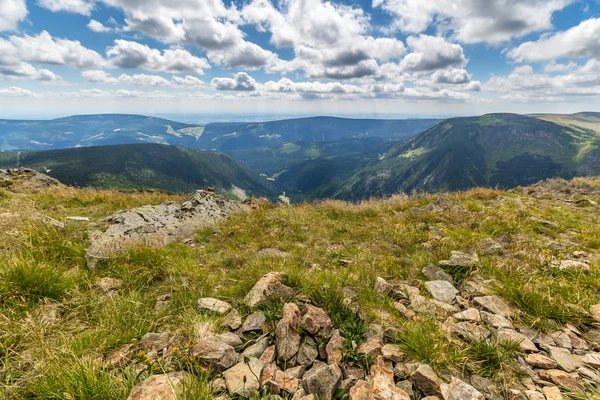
<point>489,247</point>
<point>494,304</point>
<point>592,359</point>
<point>335,348</point>
<point>470,331</point>
<point>107,285</point>
<point>160,225</point>
<point>459,390</point>
<point>595,312</point>
<point>564,359</point>
<point>470,315</point>
<point>307,353</point>
<point>208,304</point>
<point>257,349</point>
<point>509,335</point>
<point>460,259</point>
<point>540,361</point>
<point>232,320</point>
<point>230,338</point>
<point>407,387</point>
<point>268,287</point>
<point>434,273</point>
<point>495,321</point>
<point>323,382</point>
<point>244,379</point>
<point>213,353</point>
<point>382,287</point>
<point>442,291</point>
<point>254,322</point>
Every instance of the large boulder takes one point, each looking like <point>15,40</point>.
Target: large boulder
<point>160,387</point>
<point>268,287</point>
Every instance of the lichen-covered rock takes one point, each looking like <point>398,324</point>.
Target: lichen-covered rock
<point>564,359</point>
<point>255,322</point>
<point>160,387</point>
<point>460,259</point>
<point>561,378</point>
<point>442,291</point>
<point>268,287</point>
<point>494,304</point>
<point>208,304</point>
<point>323,382</point>
<point>509,335</point>
<point>307,353</point>
<point>434,273</point>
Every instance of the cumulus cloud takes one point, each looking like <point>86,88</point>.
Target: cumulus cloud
<point>453,76</point>
<point>15,92</point>
<point>127,55</point>
<point>98,27</point>
<point>189,82</point>
<point>524,84</point>
<point>45,49</point>
<point>429,53</point>
<point>13,11</point>
<point>98,76</point>
<point>240,82</point>
<point>74,6</point>
<point>25,71</point>
<point>144,80</point>
<point>329,40</point>
<point>475,21</point>
<point>581,41</point>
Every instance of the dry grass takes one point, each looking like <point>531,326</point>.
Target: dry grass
<point>375,238</point>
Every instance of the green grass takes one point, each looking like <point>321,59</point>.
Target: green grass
<point>44,266</point>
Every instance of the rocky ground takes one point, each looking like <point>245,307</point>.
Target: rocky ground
<point>476,295</point>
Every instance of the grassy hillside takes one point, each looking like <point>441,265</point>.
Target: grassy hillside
<point>503,150</point>
<point>170,168</point>
<point>68,332</point>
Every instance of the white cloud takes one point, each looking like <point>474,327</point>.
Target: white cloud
<point>45,49</point>
<point>11,12</point>
<point>474,21</point>
<point>430,53</point>
<point>143,80</point>
<point>73,6</point>
<point>127,55</point>
<point>15,92</point>
<point>25,71</point>
<point>581,41</point>
<point>96,26</point>
<point>453,76</point>
<point>329,40</point>
<point>240,82</point>
<point>524,84</point>
<point>98,76</point>
<point>189,82</point>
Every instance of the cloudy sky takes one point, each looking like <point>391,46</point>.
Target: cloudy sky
<point>400,57</point>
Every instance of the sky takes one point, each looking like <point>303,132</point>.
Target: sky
<point>298,57</point>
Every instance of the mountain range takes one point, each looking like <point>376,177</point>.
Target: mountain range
<point>318,157</point>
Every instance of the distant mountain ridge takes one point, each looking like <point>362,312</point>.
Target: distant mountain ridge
<point>131,166</point>
<point>505,150</point>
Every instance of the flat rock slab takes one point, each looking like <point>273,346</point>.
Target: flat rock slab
<point>159,387</point>
<point>442,291</point>
<point>208,304</point>
<point>159,225</point>
<point>493,304</point>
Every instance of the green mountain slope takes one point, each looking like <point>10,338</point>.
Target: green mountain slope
<point>503,150</point>
<point>170,168</point>
<point>269,147</point>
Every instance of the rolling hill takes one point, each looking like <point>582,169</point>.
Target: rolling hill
<point>268,148</point>
<point>504,150</point>
<point>169,168</point>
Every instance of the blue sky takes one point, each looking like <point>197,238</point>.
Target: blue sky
<point>340,57</point>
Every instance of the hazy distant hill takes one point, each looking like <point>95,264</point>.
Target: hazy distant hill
<point>268,147</point>
<point>170,168</point>
<point>503,150</point>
